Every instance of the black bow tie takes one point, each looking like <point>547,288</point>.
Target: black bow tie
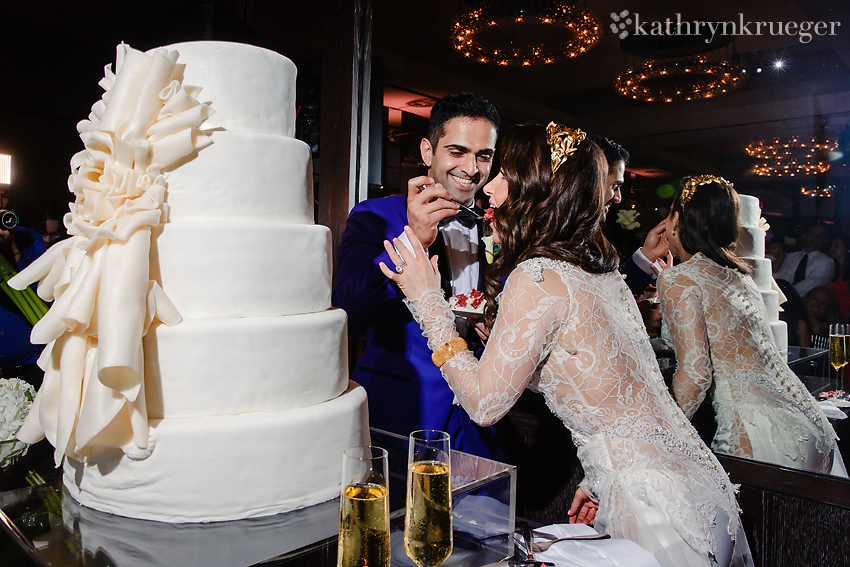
<point>466,217</point>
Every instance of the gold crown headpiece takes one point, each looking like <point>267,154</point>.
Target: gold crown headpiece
<point>563,142</point>
<point>694,182</point>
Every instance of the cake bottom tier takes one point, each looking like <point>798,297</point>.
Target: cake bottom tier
<point>780,335</point>
<point>221,468</point>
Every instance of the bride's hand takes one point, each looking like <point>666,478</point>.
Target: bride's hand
<point>414,276</point>
<point>660,265</point>
<point>583,509</point>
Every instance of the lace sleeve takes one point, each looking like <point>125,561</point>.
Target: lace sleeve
<point>682,309</point>
<point>432,312</point>
<point>523,335</point>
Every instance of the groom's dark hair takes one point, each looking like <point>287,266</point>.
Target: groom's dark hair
<point>613,151</point>
<point>466,105</point>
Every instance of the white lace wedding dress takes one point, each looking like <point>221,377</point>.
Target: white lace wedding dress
<point>578,339</point>
<point>719,327</point>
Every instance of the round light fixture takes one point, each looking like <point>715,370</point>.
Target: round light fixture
<point>526,38</point>
<point>679,79</point>
<point>791,157</point>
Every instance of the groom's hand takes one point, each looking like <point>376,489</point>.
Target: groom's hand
<point>426,207</point>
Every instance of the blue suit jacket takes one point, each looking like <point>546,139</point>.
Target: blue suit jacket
<point>406,391</point>
<point>636,279</point>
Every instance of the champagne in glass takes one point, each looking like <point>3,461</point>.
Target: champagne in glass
<point>428,511</point>
<point>837,357</point>
<point>364,509</point>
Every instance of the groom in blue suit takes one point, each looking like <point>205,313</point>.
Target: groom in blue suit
<point>406,391</point>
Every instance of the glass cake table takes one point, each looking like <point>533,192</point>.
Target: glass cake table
<point>48,528</point>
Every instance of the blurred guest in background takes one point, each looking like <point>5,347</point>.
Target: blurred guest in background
<point>20,246</point>
<point>821,311</point>
<point>810,267</point>
<point>775,252</point>
<point>840,284</point>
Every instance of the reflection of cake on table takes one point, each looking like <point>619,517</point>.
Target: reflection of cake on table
<point>195,370</point>
<point>751,248</point>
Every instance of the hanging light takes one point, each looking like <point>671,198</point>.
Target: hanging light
<point>680,79</point>
<point>522,34</point>
<point>791,157</point>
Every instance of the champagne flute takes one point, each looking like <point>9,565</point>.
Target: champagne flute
<point>846,339</point>
<point>364,509</point>
<point>837,355</point>
<point>428,512</point>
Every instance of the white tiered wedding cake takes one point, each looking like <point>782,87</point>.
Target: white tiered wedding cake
<point>195,370</point>
<point>751,248</point>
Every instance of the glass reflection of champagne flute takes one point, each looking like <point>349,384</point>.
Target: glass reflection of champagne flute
<point>428,513</point>
<point>846,342</point>
<point>364,509</point>
<point>837,354</point>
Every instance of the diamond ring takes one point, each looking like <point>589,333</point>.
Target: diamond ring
<point>399,268</point>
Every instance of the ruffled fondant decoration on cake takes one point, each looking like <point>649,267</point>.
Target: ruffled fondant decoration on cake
<point>93,394</point>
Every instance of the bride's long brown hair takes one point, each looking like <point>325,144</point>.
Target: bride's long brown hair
<point>554,216</point>
<point>708,223</point>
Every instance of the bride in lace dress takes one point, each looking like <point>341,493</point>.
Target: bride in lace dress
<point>567,326</point>
<point>715,316</point>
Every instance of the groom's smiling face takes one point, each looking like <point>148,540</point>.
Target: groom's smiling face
<point>461,160</point>
<point>616,178</point>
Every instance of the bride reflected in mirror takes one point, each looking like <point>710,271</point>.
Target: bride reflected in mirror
<point>716,318</point>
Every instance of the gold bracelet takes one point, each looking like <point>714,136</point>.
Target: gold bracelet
<point>442,355</point>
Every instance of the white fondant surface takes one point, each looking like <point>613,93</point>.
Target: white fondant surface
<point>243,176</point>
<point>255,364</point>
<point>247,398</point>
<point>751,248</point>
<point>780,335</point>
<point>749,212</point>
<point>762,272</point>
<point>227,467</point>
<point>249,87</point>
<point>750,243</point>
<point>242,269</point>
<point>771,303</point>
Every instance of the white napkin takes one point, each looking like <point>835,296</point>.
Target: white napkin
<point>831,411</point>
<point>592,553</point>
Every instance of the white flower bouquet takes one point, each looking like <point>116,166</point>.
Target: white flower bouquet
<point>627,218</point>
<point>16,397</point>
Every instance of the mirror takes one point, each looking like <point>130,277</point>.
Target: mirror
<point>773,96</point>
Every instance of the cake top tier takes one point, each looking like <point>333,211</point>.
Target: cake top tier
<point>252,88</point>
<point>750,211</point>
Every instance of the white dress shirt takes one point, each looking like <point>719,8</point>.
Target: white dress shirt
<point>642,262</point>
<point>819,271</point>
<point>462,245</point>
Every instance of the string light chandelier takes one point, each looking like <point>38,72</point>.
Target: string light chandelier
<point>680,79</point>
<point>519,34</point>
<point>791,157</point>
<point>827,191</point>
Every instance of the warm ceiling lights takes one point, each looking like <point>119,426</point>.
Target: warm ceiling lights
<point>519,37</point>
<point>679,79</point>
<point>791,157</point>
<point>827,191</point>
